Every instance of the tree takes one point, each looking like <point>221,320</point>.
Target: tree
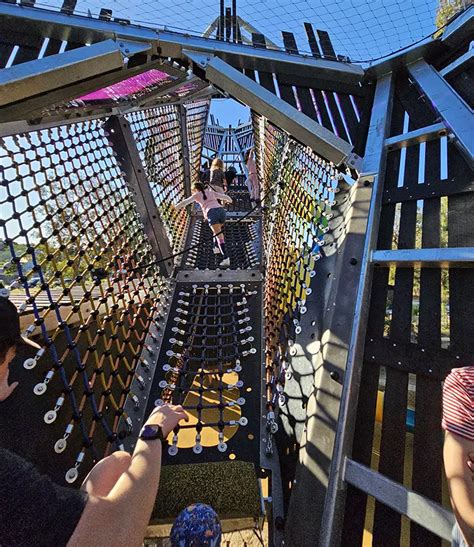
<point>447,9</point>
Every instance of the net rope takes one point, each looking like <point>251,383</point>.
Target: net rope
<point>361,30</point>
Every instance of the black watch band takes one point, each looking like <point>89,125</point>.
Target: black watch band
<point>151,432</point>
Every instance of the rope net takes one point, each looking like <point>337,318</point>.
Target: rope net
<point>86,284</point>
<point>157,133</point>
<point>360,30</point>
<point>196,119</point>
<point>72,233</point>
<point>300,191</point>
<point>209,347</point>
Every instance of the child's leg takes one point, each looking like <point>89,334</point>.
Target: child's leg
<point>218,231</point>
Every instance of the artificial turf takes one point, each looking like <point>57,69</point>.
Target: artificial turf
<point>231,488</point>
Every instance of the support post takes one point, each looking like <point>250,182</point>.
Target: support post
<point>234,21</point>
<point>373,170</point>
<point>220,33</point>
<point>123,143</point>
<point>188,176</point>
<point>454,111</point>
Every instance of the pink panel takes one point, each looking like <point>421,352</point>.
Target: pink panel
<point>130,86</point>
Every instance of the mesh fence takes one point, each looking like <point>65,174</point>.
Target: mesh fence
<point>157,132</point>
<point>300,191</point>
<point>196,120</point>
<point>70,234</point>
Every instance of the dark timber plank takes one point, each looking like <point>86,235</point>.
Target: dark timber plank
<point>326,45</point>
<point>328,51</point>
<point>461,283</point>
<point>344,101</point>
<point>387,522</point>
<point>265,78</point>
<point>426,471</point>
<point>304,95</point>
<point>313,44</point>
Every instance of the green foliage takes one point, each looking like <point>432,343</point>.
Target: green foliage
<point>448,9</point>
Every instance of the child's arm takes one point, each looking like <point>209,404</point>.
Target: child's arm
<point>223,197</point>
<point>184,202</point>
<point>461,485</point>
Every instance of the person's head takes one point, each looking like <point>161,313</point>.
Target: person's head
<point>217,163</point>
<point>197,525</point>
<point>10,333</point>
<point>199,187</point>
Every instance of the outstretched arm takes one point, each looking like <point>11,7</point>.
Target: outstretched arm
<point>223,197</point>
<point>120,518</point>
<point>460,481</point>
<point>184,202</point>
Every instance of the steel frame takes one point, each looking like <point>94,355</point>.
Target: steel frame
<point>455,112</point>
<point>425,134</point>
<point>171,44</point>
<point>450,257</point>
<point>461,63</point>
<point>31,107</point>
<point>121,137</point>
<point>237,153</point>
<point>90,113</point>
<point>43,75</point>
<point>278,111</point>
<point>417,508</point>
<point>373,169</point>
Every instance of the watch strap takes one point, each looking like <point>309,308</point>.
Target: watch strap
<point>151,432</point>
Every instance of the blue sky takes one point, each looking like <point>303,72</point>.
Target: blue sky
<point>229,112</point>
<point>360,29</point>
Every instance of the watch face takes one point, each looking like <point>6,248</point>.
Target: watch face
<point>151,432</point>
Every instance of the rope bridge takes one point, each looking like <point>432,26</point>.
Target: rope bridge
<point>126,298</point>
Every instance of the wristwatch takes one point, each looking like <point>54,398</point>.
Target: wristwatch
<point>151,432</point>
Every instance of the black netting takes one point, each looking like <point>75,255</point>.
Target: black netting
<point>300,191</point>
<point>157,132</point>
<point>71,234</point>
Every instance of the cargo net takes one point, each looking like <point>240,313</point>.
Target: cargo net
<point>70,236</point>
<point>299,189</point>
<point>209,348</point>
<point>196,120</point>
<point>240,195</point>
<point>242,243</point>
<point>157,134</point>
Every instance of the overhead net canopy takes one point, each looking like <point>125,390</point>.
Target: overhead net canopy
<point>361,30</point>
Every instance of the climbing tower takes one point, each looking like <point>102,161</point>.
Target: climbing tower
<point>311,369</point>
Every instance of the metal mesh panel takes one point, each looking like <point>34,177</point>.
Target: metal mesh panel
<point>71,235</point>
<point>158,137</point>
<point>299,189</point>
<point>209,353</point>
<point>196,119</point>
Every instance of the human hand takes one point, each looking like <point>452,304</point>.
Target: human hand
<point>470,463</point>
<point>6,389</point>
<point>167,417</point>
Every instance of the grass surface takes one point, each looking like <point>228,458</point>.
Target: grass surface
<point>231,488</point>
